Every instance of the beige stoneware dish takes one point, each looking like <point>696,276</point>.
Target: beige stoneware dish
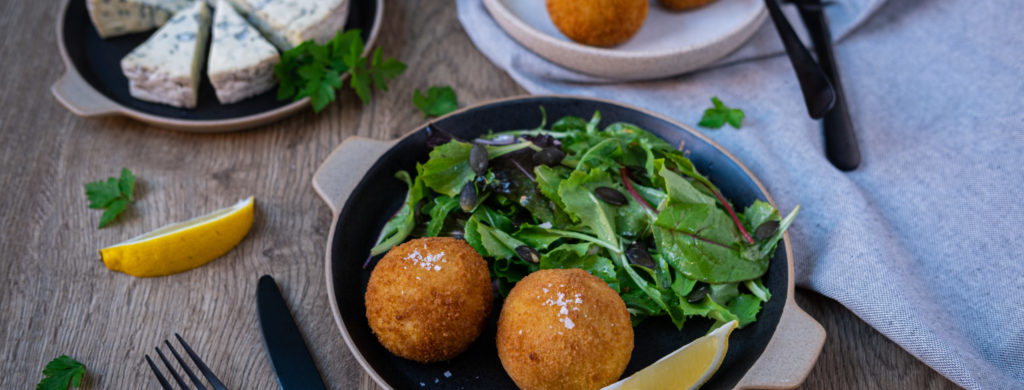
<point>784,363</point>
<point>85,99</point>
<point>669,43</point>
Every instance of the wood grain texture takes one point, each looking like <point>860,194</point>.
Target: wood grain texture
<point>57,298</point>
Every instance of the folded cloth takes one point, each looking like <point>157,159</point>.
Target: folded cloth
<point>923,240</point>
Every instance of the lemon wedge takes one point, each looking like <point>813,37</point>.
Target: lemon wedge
<point>688,367</point>
<point>182,246</point>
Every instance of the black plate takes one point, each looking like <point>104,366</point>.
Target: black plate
<point>379,194</point>
<point>98,60</point>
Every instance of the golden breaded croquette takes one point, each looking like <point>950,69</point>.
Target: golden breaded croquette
<point>680,5</point>
<point>598,22</point>
<point>564,329</point>
<point>429,298</point>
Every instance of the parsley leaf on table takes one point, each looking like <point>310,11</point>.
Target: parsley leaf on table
<point>314,71</point>
<point>438,101</point>
<point>113,195</point>
<point>717,116</point>
<point>60,373</point>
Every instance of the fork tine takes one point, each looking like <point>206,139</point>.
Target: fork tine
<point>170,369</point>
<point>188,371</point>
<point>159,376</point>
<point>214,381</point>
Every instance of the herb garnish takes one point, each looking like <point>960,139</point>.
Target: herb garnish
<point>438,101</point>
<point>717,116</point>
<point>112,195</point>
<point>620,203</point>
<point>61,373</point>
<point>315,70</point>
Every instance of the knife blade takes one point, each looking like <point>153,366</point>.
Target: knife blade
<point>283,342</point>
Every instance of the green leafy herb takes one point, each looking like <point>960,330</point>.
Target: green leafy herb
<point>314,71</point>
<point>718,115</point>
<point>438,101</point>
<point>112,195</point>
<point>695,239</point>
<point>61,373</point>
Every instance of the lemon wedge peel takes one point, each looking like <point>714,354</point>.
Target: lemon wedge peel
<point>182,246</point>
<point>688,367</point>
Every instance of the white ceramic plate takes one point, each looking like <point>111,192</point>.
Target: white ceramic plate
<point>669,43</point>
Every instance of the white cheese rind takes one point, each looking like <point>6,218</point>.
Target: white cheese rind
<point>287,23</point>
<point>241,61</point>
<point>166,68</point>
<point>119,17</point>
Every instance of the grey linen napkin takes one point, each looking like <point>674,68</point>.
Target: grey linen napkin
<point>923,241</point>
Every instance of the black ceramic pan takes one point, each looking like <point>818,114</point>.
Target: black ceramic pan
<point>94,86</point>
<point>357,182</point>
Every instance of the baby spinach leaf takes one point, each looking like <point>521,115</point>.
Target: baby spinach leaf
<point>448,169</point>
<point>680,190</point>
<point>577,192</point>
<point>398,227</point>
<point>600,156</point>
<point>494,242</point>
<point>768,246</point>
<point>724,292</point>
<point>580,256</point>
<point>745,307</point>
<point>757,288</point>
<point>704,261</point>
<point>439,213</point>
<point>569,123</point>
<point>536,237</point>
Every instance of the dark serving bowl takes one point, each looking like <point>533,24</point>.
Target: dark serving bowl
<point>358,184</point>
<point>94,86</point>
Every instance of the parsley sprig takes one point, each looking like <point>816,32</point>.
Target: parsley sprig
<point>315,70</point>
<point>717,116</point>
<point>438,101</point>
<point>112,195</point>
<point>61,373</point>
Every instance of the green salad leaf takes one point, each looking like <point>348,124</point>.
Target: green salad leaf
<point>617,201</point>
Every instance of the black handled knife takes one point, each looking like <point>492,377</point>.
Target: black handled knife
<point>285,347</point>
<point>840,139</point>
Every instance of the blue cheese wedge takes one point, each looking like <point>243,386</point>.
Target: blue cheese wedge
<point>287,23</point>
<point>241,61</point>
<point>119,17</point>
<point>167,67</point>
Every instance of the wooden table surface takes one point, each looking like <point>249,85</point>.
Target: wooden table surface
<point>56,297</point>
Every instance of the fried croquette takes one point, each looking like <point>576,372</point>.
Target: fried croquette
<point>564,329</point>
<point>429,298</point>
<point>680,5</point>
<point>598,22</point>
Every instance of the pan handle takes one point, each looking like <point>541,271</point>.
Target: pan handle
<point>344,168</point>
<point>80,98</point>
<point>790,354</point>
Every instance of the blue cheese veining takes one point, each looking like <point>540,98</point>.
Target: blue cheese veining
<point>166,68</point>
<point>287,23</point>
<point>241,61</point>
<point>119,17</point>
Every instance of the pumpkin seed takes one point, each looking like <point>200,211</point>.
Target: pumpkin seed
<point>467,199</point>
<point>611,196</point>
<point>698,293</point>
<point>766,230</point>
<point>549,156</point>
<point>637,254</point>
<point>528,254</point>
<point>478,159</point>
